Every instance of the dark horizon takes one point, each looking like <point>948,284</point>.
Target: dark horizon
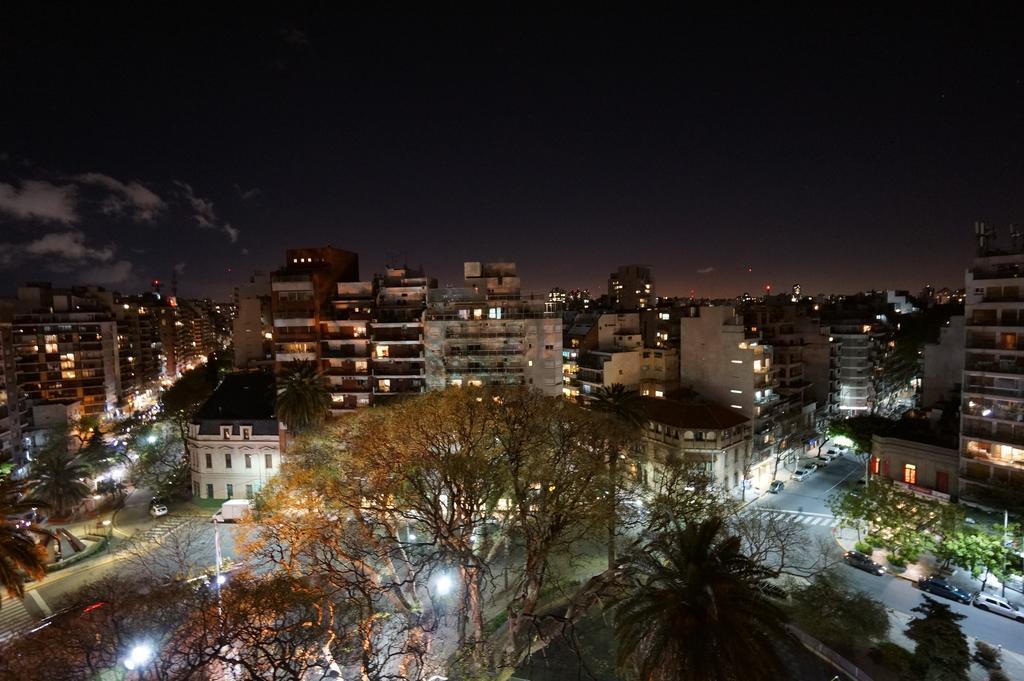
<point>851,155</point>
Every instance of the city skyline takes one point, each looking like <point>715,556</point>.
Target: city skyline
<point>571,148</point>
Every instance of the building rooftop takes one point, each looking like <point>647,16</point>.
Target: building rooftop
<point>696,415</point>
<point>245,396</point>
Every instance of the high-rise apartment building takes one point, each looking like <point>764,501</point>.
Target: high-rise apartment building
<point>396,333</point>
<point>66,348</point>
<point>631,287</point>
<point>487,333</point>
<point>13,410</point>
<point>140,350</point>
<point>252,329</point>
<point>301,292</point>
<point>992,413</point>
<point>855,361</point>
<point>726,361</point>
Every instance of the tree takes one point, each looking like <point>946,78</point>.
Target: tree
<point>57,479</point>
<point>940,652</point>
<point>460,484</point>
<point>838,616</point>
<point>181,401</point>
<point>18,551</point>
<point>303,396</point>
<point>901,520</point>
<point>625,410</point>
<point>161,462</point>
<point>697,608</point>
<point>859,430</point>
<point>978,551</point>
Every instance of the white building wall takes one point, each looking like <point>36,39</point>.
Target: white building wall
<point>209,454</point>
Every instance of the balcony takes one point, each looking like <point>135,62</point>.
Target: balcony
<point>516,331</point>
<point>994,391</point>
<point>347,351</point>
<point>995,367</point>
<point>507,351</point>
<point>996,432</point>
<point>994,412</point>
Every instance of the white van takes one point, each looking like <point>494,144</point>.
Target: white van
<point>802,473</point>
<point>998,605</point>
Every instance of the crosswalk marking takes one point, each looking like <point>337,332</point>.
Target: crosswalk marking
<point>35,596</point>
<point>14,618</point>
<point>804,518</point>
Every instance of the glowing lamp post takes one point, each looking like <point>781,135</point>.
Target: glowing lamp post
<point>138,657</point>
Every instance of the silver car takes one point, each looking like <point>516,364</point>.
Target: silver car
<point>998,605</point>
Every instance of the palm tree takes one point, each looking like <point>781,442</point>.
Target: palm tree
<point>626,412</point>
<point>699,610</point>
<point>18,552</point>
<point>303,397</point>
<point>58,479</point>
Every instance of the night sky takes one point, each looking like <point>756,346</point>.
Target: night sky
<point>841,152</point>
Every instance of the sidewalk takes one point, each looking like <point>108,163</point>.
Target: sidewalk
<point>927,566</point>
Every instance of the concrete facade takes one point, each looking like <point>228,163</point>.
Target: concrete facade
<point>714,438</point>
<point>992,412</point>
<point>924,468</point>
<point>233,443</point>
<point>944,364</point>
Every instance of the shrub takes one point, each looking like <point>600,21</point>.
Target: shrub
<point>863,547</point>
<point>897,561</point>
<point>987,656</point>
<point>996,675</point>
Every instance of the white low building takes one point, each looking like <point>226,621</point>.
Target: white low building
<point>233,441</point>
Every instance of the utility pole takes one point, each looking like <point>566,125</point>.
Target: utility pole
<point>1006,523</point>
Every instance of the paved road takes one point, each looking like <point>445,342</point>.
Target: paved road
<point>136,546</point>
<point>806,502</point>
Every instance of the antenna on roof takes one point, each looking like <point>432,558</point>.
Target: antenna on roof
<point>1015,241</point>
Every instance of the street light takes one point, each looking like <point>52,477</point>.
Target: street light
<point>151,439</point>
<point>139,655</point>
<point>444,585</point>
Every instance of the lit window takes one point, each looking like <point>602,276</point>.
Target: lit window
<point>659,393</point>
<point>736,392</point>
<point>910,474</point>
<point>737,361</point>
<point>736,406</point>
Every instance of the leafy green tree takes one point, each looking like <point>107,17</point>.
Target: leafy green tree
<point>697,609</point>
<point>860,429</point>
<point>626,412</point>
<point>57,479</point>
<point>979,551</point>
<point>303,396</point>
<point>941,652</point>
<point>18,552</point>
<point>837,615</point>
<point>904,522</point>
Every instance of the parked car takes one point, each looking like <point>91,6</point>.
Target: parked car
<point>861,562</point>
<point>833,453</point>
<point>158,501</point>
<point>158,510</point>
<point>941,587</point>
<point>776,486</point>
<point>827,457</point>
<point>998,605</point>
<point>802,474</point>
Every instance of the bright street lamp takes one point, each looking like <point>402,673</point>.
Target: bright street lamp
<point>140,655</point>
<point>444,585</point>
<point>151,438</point>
